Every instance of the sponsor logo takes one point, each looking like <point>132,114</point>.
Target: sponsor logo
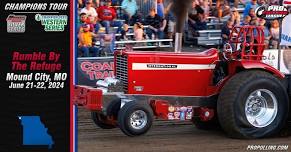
<point>270,57</point>
<point>170,116</point>
<point>271,12</point>
<point>182,116</point>
<point>183,109</point>
<point>171,109</point>
<point>189,115</point>
<point>189,109</point>
<point>286,38</point>
<point>176,115</point>
<point>16,23</point>
<point>52,23</point>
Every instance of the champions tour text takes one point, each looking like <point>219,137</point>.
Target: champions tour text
<point>36,6</point>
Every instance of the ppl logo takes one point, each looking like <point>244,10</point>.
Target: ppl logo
<point>271,12</point>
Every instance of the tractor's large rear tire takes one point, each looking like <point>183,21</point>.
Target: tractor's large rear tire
<point>100,119</point>
<point>135,118</point>
<point>252,104</point>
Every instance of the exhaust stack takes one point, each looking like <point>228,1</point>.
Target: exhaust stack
<point>180,9</point>
<point>178,42</point>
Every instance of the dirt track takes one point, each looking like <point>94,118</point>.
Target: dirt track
<point>163,137</point>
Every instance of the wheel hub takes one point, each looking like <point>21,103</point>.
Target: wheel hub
<point>261,108</point>
<point>256,105</point>
<point>138,119</point>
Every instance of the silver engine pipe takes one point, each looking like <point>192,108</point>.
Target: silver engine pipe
<point>178,42</point>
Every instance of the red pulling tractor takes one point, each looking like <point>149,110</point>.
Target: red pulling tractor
<point>232,88</point>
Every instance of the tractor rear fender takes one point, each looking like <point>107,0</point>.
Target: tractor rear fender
<point>237,66</point>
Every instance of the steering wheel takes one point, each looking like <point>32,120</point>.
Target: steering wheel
<point>227,51</point>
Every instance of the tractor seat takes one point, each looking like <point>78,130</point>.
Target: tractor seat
<point>207,56</point>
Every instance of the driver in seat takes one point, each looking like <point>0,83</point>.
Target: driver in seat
<point>225,32</point>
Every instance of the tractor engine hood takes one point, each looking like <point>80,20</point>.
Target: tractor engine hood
<point>165,73</point>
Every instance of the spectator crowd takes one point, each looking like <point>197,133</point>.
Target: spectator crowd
<point>104,22</point>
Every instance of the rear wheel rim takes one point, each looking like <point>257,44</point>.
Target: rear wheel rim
<point>261,108</point>
<point>138,119</point>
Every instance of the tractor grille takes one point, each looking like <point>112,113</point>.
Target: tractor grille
<point>122,71</point>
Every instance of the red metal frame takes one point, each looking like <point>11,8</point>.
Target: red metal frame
<point>248,36</point>
<point>90,98</point>
<point>160,108</point>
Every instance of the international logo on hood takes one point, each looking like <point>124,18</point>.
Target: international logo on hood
<point>271,12</point>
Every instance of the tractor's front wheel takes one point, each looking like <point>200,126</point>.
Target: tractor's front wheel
<point>135,118</point>
<point>252,104</point>
<point>100,120</point>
